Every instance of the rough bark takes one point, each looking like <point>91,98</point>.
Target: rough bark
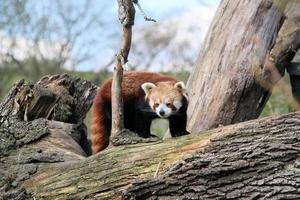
<point>58,97</point>
<point>43,158</point>
<point>41,124</point>
<point>244,54</point>
<point>251,159</point>
<point>42,134</point>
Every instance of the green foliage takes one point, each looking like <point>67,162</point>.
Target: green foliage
<point>159,127</point>
<point>277,105</point>
<point>281,100</point>
<point>95,77</point>
<point>30,69</point>
<point>181,75</point>
<point>8,78</point>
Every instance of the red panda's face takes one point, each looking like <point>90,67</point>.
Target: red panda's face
<point>165,98</point>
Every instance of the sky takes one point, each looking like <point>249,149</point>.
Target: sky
<point>160,10</point>
<point>192,17</point>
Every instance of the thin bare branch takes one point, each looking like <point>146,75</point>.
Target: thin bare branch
<point>126,14</point>
<point>147,18</point>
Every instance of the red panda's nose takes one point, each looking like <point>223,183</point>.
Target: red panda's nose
<point>162,113</point>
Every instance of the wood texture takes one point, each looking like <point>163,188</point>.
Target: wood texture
<point>126,13</point>
<point>117,110</point>
<point>243,55</point>
<point>253,160</point>
<point>256,158</point>
<point>44,158</point>
<point>40,125</point>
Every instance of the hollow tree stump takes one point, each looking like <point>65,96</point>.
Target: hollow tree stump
<point>41,124</point>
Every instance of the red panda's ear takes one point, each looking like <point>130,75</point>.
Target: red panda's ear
<point>181,87</point>
<point>147,87</point>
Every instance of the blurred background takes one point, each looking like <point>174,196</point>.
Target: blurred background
<point>82,37</point>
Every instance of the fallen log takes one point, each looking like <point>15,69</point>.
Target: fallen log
<point>255,159</point>
<point>251,159</point>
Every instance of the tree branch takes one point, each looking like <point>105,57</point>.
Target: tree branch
<point>126,17</point>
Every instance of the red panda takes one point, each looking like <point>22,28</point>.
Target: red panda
<point>146,96</point>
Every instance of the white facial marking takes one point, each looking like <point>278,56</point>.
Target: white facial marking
<point>177,104</point>
<point>163,111</point>
<point>151,103</point>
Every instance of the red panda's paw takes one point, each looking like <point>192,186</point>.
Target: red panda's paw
<point>178,134</point>
<point>186,132</point>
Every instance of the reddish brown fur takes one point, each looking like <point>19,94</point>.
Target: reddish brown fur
<point>131,90</point>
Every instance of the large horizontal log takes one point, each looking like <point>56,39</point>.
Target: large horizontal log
<point>255,159</point>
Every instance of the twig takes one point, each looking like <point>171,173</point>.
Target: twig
<point>157,170</point>
<point>136,2</point>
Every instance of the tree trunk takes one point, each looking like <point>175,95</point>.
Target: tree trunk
<point>244,54</point>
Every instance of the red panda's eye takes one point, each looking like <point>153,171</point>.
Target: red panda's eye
<point>169,105</point>
<point>156,105</point>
